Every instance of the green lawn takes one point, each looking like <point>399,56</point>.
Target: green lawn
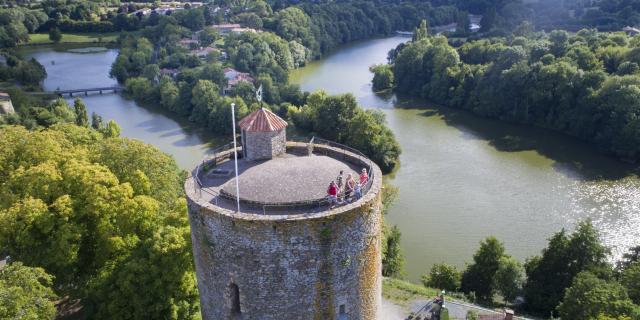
<point>43,38</point>
<point>403,293</point>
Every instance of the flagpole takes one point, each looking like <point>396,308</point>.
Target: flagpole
<point>235,153</point>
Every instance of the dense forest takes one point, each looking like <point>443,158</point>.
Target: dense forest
<point>79,203</point>
<point>584,84</point>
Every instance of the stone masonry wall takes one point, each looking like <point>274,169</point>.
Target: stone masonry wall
<point>265,145</point>
<point>300,266</point>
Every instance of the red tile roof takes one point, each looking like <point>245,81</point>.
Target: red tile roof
<point>262,120</point>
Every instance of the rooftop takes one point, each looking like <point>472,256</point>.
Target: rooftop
<point>262,120</point>
<point>293,183</point>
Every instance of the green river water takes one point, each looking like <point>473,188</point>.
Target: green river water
<point>461,177</point>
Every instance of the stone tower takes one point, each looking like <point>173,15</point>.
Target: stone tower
<point>288,253</point>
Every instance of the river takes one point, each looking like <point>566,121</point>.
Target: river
<point>89,67</point>
<point>461,178</point>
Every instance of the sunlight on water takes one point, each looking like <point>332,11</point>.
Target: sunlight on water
<point>614,208</point>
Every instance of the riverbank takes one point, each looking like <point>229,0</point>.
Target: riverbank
<point>37,39</point>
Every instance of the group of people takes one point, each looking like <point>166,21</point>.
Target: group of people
<point>346,189</point>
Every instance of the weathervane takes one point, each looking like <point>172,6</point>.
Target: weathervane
<point>259,95</point>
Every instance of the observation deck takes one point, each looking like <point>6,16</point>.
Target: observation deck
<point>291,184</point>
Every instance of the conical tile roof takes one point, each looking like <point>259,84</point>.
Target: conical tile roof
<point>262,120</point>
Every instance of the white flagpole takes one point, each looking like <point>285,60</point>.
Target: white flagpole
<point>235,153</point>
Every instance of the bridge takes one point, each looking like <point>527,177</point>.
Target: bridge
<point>86,91</point>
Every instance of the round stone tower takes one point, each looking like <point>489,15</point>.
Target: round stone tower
<point>288,253</point>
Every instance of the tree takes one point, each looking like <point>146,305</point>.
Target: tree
<point>204,98</point>
<point>169,94</point>
<point>629,258</point>
<point>630,279</point>
<point>111,130</point>
<point>509,278</point>
<point>442,276</point>
<point>564,257</point>
<point>92,219</point>
<point>382,78</point>
<point>421,32</point>
<point>151,72</point>
<point>25,293</point>
<point>82,119</point>
<point>463,23</point>
<point>392,257</point>
<point>96,121</point>
<point>588,297</point>
<point>55,35</point>
<point>208,36</point>
<point>478,277</point>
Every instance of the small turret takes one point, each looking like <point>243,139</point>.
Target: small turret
<point>263,135</point>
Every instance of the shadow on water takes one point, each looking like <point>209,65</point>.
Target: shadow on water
<point>571,156</point>
<point>192,135</point>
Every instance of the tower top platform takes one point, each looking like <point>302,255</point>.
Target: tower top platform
<point>294,183</point>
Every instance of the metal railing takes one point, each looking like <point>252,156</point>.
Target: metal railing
<point>213,160</point>
<point>225,153</point>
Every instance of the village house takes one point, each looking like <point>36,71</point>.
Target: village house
<point>234,77</point>
<point>6,106</point>
<point>171,72</point>
<point>188,43</point>
<point>631,31</point>
<point>243,30</point>
<point>203,52</point>
<point>225,28</point>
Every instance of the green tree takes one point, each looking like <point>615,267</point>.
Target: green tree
<point>382,77</point>
<point>82,118</point>
<point>96,121</point>
<point>92,220</point>
<point>392,257</point>
<point>55,35</point>
<point>463,23</point>
<point>564,257</point>
<point>421,32</point>
<point>208,36</point>
<point>25,293</point>
<point>111,130</point>
<point>509,278</point>
<point>630,279</point>
<point>442,276</point>
<point>204,98</point>
<point>629,258</point>
<point>588,297</point>
<point>151,72</point>
<point>169,94</point>
<point>479,276</point>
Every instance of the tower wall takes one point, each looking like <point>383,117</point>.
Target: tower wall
<point>300,266</point>
<point>265,145</point>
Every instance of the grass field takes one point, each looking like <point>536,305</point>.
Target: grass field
<point>403,293</point>
<point>43,38</point>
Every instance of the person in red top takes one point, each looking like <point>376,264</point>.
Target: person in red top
<point>332,193</point>
<point>364,177</point>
